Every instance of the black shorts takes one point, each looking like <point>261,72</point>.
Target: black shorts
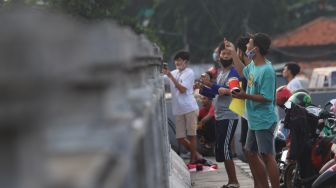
<point>225,130</point>
<point>243,131</point>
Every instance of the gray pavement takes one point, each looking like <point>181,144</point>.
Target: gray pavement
<point>216,179</point>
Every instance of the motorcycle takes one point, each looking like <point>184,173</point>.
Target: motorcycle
<point>312,149</point>
<point>327,176</point>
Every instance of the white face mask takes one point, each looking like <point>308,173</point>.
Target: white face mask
<point>181,66</point>
<point>250,54</point>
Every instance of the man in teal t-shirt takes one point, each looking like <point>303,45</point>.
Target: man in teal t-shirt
<point>260,108</point>
<point>260,81</point>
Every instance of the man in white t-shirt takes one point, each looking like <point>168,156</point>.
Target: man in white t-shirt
<point>184,105</point>
<point>289,72</point>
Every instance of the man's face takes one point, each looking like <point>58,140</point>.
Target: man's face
<point>242,56</point>
<point>205,101</point>
<point>180,64</point>
<point>225,54</point>
<point>206,77</point>
<point>285,72</point>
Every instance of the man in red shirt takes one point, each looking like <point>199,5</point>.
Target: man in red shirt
<point>206,121</point>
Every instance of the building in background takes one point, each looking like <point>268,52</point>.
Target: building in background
<point>311,45</point>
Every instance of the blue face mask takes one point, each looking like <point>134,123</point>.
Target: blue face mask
<point>250,54</point>
<point>215,56</point>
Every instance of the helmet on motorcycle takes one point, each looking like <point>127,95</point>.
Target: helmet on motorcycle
<point>282,95</point>
<point>301,98</point>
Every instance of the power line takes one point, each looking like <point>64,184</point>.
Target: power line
<point>211,17</point>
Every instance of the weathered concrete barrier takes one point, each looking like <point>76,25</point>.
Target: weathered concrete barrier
<point>81,105</point>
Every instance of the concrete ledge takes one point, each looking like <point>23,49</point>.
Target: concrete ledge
<point>244,167</point>
<point>179,176</point>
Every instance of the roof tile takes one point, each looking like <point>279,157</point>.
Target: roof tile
<point>321,31</point>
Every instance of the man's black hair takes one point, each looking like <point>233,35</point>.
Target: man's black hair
<point>241,43</point>
<point>293,68</point>
<point>262,41</point>
<point>183,55</point>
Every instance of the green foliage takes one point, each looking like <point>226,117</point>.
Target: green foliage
<point>125,12</point>
<point>197,25</point>
<point>202,24</point>
<point>90,9</point>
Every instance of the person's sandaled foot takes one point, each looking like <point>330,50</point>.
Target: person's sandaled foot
<point>231,185</point>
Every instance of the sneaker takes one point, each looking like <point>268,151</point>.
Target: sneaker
<point>185,155</point>
<point>231,185</point>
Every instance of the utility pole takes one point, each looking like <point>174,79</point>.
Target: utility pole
<point>245,22</point>
<point>185,34</point>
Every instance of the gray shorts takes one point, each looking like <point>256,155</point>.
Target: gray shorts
<point>261,141</point>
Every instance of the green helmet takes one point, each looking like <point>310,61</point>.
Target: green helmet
<point>301,98</point>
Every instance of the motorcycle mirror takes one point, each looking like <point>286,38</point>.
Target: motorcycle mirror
<point>327,104</point>
<point>331,102</point>
<point>288,104</point>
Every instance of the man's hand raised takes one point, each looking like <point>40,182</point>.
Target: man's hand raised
<point>167,72</point>
<point>229,46</point>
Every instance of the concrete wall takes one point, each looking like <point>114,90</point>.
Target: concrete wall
<point>81,105</point>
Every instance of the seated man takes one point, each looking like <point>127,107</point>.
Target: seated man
<point>206,122</point>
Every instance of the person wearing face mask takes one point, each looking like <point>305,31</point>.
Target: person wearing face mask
<point>214,70</point>
<point>260,107</point>
<point>184,105</point>
<point>226,120</point>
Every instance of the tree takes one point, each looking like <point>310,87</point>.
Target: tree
<point>205,23</point>
<point>195,25</point>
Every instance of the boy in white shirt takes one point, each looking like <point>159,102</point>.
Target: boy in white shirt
<point>184,105</point>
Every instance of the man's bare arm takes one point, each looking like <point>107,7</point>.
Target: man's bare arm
<point>236,61</point>
<point>243,95</point>
<point>179,86</point>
